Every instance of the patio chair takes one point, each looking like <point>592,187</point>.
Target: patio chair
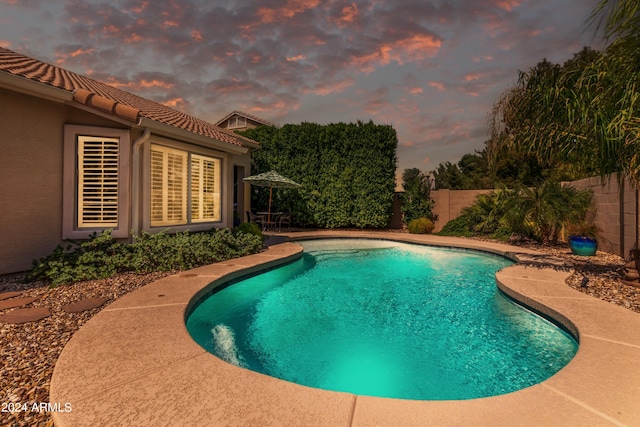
<point>256,219</point>
<point>285,218</point>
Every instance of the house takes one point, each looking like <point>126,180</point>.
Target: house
<point>237,120</point>
<point>79,156</point>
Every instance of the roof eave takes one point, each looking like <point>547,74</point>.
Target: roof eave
<point>252,145</point>
<point>188,136</point>
<point>26,86</point>
<point>96,112</point>
<point>246,116</point>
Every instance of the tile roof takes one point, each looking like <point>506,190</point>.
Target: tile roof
<point>248,116</point>
<point>109,99</point>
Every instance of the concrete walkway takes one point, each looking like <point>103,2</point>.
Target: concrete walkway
<point>135,364</point>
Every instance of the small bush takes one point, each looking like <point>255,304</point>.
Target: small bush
<point>460,226</point>
<point>249,228</point>
<point>421,226</point>
<point>101,256</point>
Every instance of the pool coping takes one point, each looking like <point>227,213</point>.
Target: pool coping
<point>135,364</point>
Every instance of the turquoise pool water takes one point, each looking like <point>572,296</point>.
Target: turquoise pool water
<point>383,319</point>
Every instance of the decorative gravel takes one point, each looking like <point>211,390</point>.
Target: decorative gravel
<point>603,272</point>
<point>28,351</point>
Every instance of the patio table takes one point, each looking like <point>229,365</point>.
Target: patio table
<point>269,219</point>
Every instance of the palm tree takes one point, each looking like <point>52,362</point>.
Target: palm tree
<point>543,211</point>
<point>587,113</point>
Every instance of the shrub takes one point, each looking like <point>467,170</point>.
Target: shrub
<point>541,212</point>
<point>460,226</point>
<point>421,226</point>
<point>416,198</point>
<point>248,228</point>
<point>96,258</point>
<point>101,256</point>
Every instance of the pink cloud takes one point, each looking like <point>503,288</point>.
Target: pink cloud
<point>174,102</point>
<point>61,58</point>
<point>324,89</point>
<point>294,7</point>
<point>142,84</point>
<point>415,48</point>
<point>269,15</point>
<point>154,83</point>
<point>253,108</point>
<point>508,5</point>
<point>416,90</point>
<point>133,38</point>
<point>196,35</point>
<point>437,85</point>
<point>140,8</point>
<point>473,76</point>
<point>295,58</point>
<point>348,16</point>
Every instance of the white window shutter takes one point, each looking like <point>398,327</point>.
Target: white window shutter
<point>168,186</point>
<point>98,160</point>
<point>205,189</point>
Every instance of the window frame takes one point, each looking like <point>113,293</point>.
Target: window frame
<point>237,122</point>
<point>203,190</point>
<point>71,228</point>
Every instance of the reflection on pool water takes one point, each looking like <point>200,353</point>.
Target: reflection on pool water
<point>385,319</point>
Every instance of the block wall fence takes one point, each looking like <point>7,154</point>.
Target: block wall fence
<point>615,203</point>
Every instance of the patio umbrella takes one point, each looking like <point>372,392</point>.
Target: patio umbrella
<point>271,179</point>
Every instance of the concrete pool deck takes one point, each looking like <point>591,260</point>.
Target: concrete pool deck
<point>135,364</point>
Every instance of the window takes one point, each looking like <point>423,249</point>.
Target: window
<point>96,181</point>
<point>185,187</point>
<point>237,122</point>
<point>168,186</point>
<point>205,189</point>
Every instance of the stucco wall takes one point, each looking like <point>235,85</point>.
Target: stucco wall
<point>614,202</point>
<point>30,179</point>
<point>449,204</point>
<point>31,142</point>
<point>615,205</point>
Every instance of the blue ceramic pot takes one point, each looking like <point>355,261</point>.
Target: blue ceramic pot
<point>584,246</point>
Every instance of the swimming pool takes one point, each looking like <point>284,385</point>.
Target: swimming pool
<point>383,319</point>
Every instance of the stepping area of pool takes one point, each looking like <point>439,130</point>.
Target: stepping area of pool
<point>135,364</point>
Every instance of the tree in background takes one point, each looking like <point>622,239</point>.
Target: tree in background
<point>470,173</point>
<point>586,112</point>
<point>416,199</point>
<point>533,110</point>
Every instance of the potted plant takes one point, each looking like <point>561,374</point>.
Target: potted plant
<point>583,238</point>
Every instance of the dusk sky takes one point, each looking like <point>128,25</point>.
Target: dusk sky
<point>431,69</point>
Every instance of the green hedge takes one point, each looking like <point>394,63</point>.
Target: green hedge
<point>347,172</point>
<point>101,256</point>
